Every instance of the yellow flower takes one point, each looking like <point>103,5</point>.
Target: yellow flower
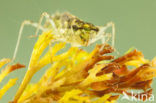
<point>77,76</point>
<point>8,69</point>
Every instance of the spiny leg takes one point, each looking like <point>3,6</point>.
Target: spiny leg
<point>101,34</point>
<point>104,41</point>
<point>93,40</point>
<point>26,22</point>
<point>103,29</point>
<point>47,16</point>
<point>111,24</point>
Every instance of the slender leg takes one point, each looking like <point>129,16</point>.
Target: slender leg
<point>47,16</point>
<point>104,40</point>
<point>26,22</point>
<point>103,29</point>
<point>111,24</point>
<point>101,34</point>
<point>98,37</point>
<point>108,36</point>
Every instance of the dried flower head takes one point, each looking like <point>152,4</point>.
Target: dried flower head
<point>78,76</point>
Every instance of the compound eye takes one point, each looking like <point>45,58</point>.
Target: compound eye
<point>75,27</point>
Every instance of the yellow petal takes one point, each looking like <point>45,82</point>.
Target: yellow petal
<point>4,61</point>
<point>7,86</point>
